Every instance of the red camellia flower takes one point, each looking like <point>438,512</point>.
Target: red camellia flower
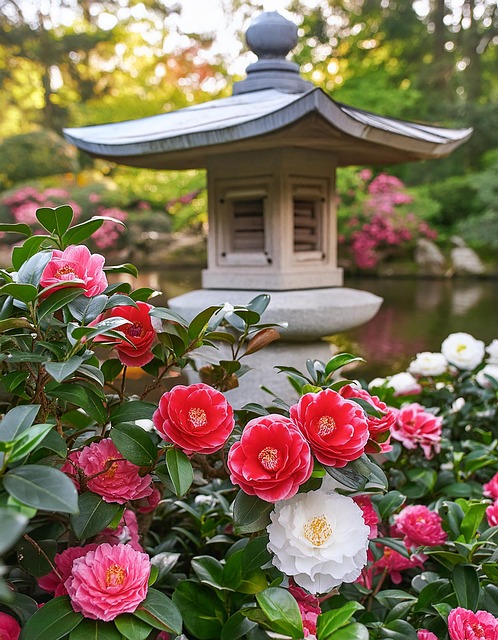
<point>424,634</point>
<point>103,470</point>
<point>464,624</point>
<point>420,526</point>
<point>394,563</point>
<point>336,428</point>
<point>271,460</point>
<point>379,428</point>
<point>370,516</point>
<point>140,332</point>
<point>416,426</point>
<point>75,263</point>
<point>9,627</point>
<point>197,418</point>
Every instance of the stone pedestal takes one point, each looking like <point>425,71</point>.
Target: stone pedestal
<point>310,314</point>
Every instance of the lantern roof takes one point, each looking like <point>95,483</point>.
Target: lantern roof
<point>274,107</point>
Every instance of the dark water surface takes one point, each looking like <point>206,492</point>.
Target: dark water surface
<point>417,314</point>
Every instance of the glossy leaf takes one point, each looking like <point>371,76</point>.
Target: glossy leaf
<point>82,231</point>
<point>42,488</point>
<point>282,610</point>
<point>128,268</point>
<point>60,371</point>
<point>472,519</point>
<point>52,622</point>
<point>29,440</point>
<point>57,300</point>
<point>180,470</point>
<point>95,514</point>
<point>24,292</point>
<point>55,220</point>
<point>160,612</point>
<point>330,621</point>
<point>85,309</point>
<point>95,630</point>
<point>250,513</point>
<point>466,585</point>
<point>133,410</point>
<point>132,627</point>
<point>81,397</point>
<point>23,229</point>
<point>202,611</point>
<point>17,420</point>
<point>134,444</point>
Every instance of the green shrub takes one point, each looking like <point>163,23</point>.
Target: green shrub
<point>457,199</point>
<point>34,155</point>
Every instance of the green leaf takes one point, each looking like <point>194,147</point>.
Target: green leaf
<point>355,631</point>
<point>42,488</point>
<point>123,268</point>
<point>167,314</point>
<point>104,327</point>
<point>282,610</point>
<point>340,360</point>
<point>466,584</point>
<point>209,570</point>
<point>348,477</point>
<point>57,300</point>
<point>17,420</point>
<point>52,622</point>
<point>393,543</point>
<point>330,621</point>
<point>250,513</point>
<point>28,440</point>
<point>256,554</point>
<point>87,309</point>
<point>134,444</point>
<point>399,630</point>
<point>202,611</point>
<point>55,443</point>
<point>472,519</point>
<point>55,220</point>
<point>111,369</point>
<point>13,524</point>
<point>201,321</point>
<point>24,292</point>
<point>13,380</point>
<point>35,561</point>
<point>32,269</point>
<point>143,294</point>
<point>82,231</point>
<point>95,514</point>
<point>132,627</point>
<point>390,503</point>
<point>237,626</point>
<point>23,229</point>
<point>95,630</point>
<point>15,323</point>
<point>60,371</point>
<point>160,612</point>
<point>81,397</point>
<point>133,410</point>
<point>259,303</point>
<point>180,471</point>
<point>26,250</point>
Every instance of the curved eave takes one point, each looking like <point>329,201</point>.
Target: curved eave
<point>187,137</point>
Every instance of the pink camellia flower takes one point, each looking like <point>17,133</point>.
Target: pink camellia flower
<point>141,331</point>
<point>55,579</point>
<point>492,514</point>
<point>467,625</point>
<point>420,526</point>
<point>394,563</point>
<point>109,581</point>
<point>125,533</point>
<point>149,503</point>
<point>379,428</point>
<point>490,489</point>
<point>370,516</point>
<point>309,607</point>
<point>101,469</point>
<point>75,263</point>
<point>415,426</point>
<point>271,460</point>
<point>424,634</point>
<point>336,428</point>
<point>9,627</point>
<point>196,418</point>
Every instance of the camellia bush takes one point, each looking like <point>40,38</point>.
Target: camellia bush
<point>353,514</point>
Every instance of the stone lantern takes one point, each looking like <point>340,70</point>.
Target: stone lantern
<point>271,151</point>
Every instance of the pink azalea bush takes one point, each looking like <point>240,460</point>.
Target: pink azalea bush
<point>383,222</point>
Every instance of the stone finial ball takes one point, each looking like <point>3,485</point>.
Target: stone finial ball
<point>270,35</point>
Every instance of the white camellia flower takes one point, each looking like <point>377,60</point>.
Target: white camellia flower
<point>428,363</point>
<point>463,350</point>
<point>488,370</point>
<point>403,384</point>
<point>376,382</point>
<point>319,539</point>
<point>492,350</point>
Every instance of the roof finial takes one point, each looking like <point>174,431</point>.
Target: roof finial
<point>271,36</point>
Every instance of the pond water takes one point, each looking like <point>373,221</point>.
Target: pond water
<point>417,315</point>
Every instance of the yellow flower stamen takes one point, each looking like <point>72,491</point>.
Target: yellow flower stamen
<point>326,425</point>
<point>115,575</point>
<point>197,418</point>
<point>269,458</point>
<point>317,530</point>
